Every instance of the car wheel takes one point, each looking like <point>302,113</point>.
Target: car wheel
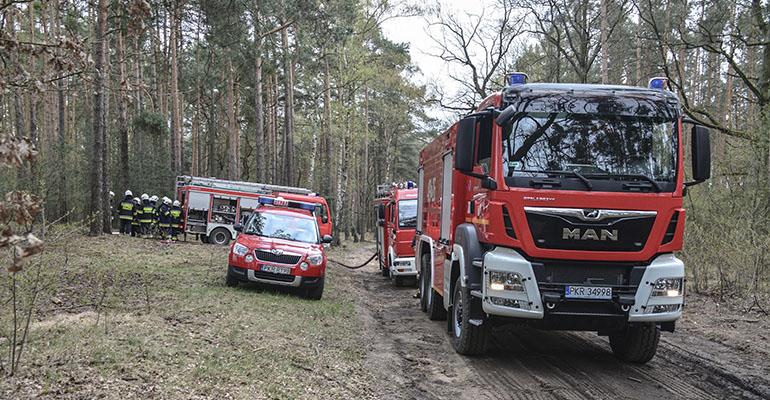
<point>315,293</point>
<point>219,236</point>
<point>230,280</point>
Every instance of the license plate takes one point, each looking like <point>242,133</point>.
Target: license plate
<point>276,269</point>
<point>588,292</point>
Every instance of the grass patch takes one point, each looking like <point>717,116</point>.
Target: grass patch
<point>124,317</point>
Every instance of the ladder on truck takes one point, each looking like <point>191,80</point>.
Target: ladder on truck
<point>240,186</point>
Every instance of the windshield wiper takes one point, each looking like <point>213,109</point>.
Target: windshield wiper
<point>652,182</point>
<point>576,174</point>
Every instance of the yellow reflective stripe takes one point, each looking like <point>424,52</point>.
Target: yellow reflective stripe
<point>126,217</point>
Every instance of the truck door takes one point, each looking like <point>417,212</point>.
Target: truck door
<point>446,216</point>
<point>380,209</point>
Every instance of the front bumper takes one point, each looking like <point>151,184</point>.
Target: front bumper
<point>536,304</point>
<point>403,266</point>
<point>250,275</point>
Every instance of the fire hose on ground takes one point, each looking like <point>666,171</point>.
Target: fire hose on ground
<point>357,266</point>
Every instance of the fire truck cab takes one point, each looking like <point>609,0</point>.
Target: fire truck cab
<point>323,215</point>
<point>213,206</point>
<point>396,208</point>
<point>559,206</point>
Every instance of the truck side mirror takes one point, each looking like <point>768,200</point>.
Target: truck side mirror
<point>381,212</point>
<point>701,154</point>
<point>327,239</point>
<point>465,148</point>
<point>238,227</point>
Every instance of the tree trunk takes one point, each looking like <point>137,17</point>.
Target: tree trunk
<point>123,167</point>
<point>604,45</point>
<point>97,161</point>
<point>328,148</point>
<point>288,125</point>
<point>259,111</point>
<point>176,117</point>
<point>233,158</point>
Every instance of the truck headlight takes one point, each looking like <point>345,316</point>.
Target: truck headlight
<point>240,250</point>
<point>668,287</point>
<point>315,259</point>
<point>505,281</point>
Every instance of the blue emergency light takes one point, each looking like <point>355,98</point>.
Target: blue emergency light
<point>409,185</point>
<point>659,83</point>
<point>280,202</point>
<point>516,78</point>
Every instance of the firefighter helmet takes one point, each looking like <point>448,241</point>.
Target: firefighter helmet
<point>137,200</point>
<point>154,198</point>
<point>145,196</point>
<point>129,193</point>
<point>176,203</point>
<point>166,200</point>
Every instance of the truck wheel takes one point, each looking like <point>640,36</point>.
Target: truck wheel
<point>433,302</point>
<point>230,280</point>
<point>385,271</point>
<point>467,338</point>
<point>219,236</point>
<point>316,292</point>
<point>423,282</point>
<point>637,344</point>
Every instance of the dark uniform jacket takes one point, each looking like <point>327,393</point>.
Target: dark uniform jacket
<point>126,208</point>
<point>177,216</point>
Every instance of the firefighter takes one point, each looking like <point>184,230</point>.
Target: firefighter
<point>135,225</point>
<point>177,217</point>
<point>153,216</point>
<point>126,213</point>
<point>164,218</point>
<point>146,216</point>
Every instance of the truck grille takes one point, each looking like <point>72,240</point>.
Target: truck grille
<point>560,232</point>
<point>267,256</point>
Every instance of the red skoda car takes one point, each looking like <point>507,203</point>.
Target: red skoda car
<point>280,245</point>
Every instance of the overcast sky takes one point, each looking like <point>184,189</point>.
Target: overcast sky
<point>413,30</point>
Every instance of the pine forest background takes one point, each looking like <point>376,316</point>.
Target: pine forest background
<point>119,94</point>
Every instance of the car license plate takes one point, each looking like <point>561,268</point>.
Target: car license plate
<point>588,292</point>
<point>276,269</point>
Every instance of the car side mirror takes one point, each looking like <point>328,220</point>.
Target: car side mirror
<point>701,154</point>
<point>465,145</point>
<point>327,239</point>
<point>238,227</point>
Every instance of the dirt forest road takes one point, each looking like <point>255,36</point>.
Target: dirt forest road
<point>413,358</point>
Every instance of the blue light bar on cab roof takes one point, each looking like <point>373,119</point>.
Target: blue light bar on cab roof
<point>281,202</point>
<point>659,83</point>
<point>516,78</point>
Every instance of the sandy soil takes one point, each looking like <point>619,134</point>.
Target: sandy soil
<point>710,355</point>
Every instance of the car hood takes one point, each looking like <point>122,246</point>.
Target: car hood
<point>264,243</point>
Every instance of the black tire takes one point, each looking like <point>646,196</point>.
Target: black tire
<point>315,293</point>
<point>423,282</point>
<point>434,303</point>
<point>637,344</point>
<point>220,237</point>
<point>467,339</point>
<point>385,271</point>
<point>230,280</point>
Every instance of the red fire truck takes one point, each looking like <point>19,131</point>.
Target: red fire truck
<point>396,207</point>
<point>213,206</point>
<point>559,206</point>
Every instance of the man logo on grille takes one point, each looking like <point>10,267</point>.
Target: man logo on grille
<point>592,214</point>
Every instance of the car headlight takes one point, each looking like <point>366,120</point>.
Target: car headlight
<point>240,250</point>
<point>505,281</point>
<point>315,259</point>
<point>669,287</point>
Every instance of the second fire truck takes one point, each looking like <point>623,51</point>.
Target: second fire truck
<point>559,206</point>
<point>396,207</point>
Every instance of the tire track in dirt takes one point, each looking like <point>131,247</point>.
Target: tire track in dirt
<point>414,359</point>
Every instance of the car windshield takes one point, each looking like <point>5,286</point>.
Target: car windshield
<point>407,214</point>
<point>592,145</point>
<point>282,226</point>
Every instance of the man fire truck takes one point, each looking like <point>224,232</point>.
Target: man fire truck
<point>212,207</point>
<point>559,206</point>
<point>396,221</point>
<point>280,245</point>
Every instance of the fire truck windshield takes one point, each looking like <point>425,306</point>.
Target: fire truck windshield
<point>407,214</point>
<point>281,226</point>
<point>595,146</point>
